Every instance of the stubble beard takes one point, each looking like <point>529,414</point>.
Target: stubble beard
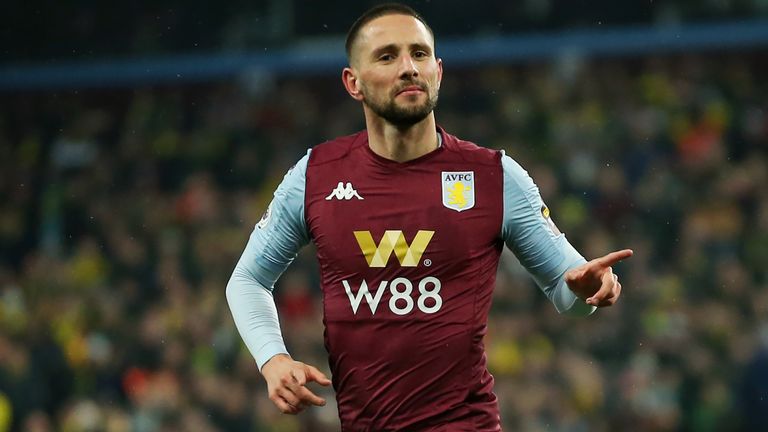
<point>402,116</point>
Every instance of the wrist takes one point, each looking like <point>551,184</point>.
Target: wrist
<point>274,360</point>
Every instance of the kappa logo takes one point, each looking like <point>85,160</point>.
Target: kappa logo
<point>458,190</point>
<point>393,241</point>
<point>343,192</point>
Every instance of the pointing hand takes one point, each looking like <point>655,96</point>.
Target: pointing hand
<point>595,281</point>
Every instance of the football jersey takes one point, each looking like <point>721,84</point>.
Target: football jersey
<point>408,254</point>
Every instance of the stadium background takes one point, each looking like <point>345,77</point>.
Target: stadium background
<point>141,141</point>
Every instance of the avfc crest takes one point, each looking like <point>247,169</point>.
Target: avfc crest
<point>458,190</point>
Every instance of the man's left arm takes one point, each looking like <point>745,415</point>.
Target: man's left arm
<point>572,284</point>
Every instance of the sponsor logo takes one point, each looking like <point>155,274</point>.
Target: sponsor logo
<point>401,301</point>
<point>458,190</point>
<point>343,192</point>
<point>377,255</point>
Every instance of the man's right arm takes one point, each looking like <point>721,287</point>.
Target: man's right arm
<point>273,245</point>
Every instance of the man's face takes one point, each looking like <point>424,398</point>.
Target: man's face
<point>398,76</point>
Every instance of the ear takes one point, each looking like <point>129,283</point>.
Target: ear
<point>439,72</point>
<point>351,83</point>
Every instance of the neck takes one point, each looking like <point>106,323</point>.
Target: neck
<point>401,144</point>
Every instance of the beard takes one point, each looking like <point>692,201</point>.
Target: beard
<point>398,115</point>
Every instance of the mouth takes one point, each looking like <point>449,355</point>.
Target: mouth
<point>411,90</point>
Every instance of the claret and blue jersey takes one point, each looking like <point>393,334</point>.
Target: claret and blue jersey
<point>408,254</point>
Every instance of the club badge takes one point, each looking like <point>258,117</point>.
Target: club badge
<point>458,190</point>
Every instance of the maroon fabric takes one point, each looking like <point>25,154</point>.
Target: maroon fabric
<point>416,371</point>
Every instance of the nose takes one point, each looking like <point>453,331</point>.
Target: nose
<point>408,69</point>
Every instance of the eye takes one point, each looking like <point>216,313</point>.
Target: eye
<point>386,57</point>
<point>420,54</point>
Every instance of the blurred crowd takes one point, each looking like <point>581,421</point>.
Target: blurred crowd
<point>124,211</point>
<point>79,30</point>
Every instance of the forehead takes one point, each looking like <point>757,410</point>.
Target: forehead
<point>393,29</point>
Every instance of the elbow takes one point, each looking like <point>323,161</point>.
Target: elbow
<point>231,290</point>
<point>239,282</point>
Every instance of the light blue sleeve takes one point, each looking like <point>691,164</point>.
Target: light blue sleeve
<point>273,245</point>
<point>545,253</point>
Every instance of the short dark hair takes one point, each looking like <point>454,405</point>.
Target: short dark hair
<point>376,12</point>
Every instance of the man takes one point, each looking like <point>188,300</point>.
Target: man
<point>404,333</point>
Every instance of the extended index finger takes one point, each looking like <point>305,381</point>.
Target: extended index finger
<point>614,257</point>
